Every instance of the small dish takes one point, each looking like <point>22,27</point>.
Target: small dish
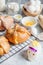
<point>29,21</point>
<point>17,17</point>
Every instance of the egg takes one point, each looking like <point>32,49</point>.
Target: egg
<point>29,23</point>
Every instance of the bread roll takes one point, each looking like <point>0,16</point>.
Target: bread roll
<point>4,45</point>
<point>17,35</point>
<point>7,21</point>
<point>28,13</point>
<point>31,8</point>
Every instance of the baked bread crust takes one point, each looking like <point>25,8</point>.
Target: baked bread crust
<point>6,22</point>
<point>17,35</point>
<point>4,45</point>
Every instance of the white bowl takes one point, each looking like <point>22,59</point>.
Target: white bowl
<point>29,18</point>
<point>17,17</point>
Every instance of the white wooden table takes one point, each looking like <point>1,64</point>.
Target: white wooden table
<point>19,59</point>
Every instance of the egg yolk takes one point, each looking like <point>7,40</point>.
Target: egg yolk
<point>29,23</point>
